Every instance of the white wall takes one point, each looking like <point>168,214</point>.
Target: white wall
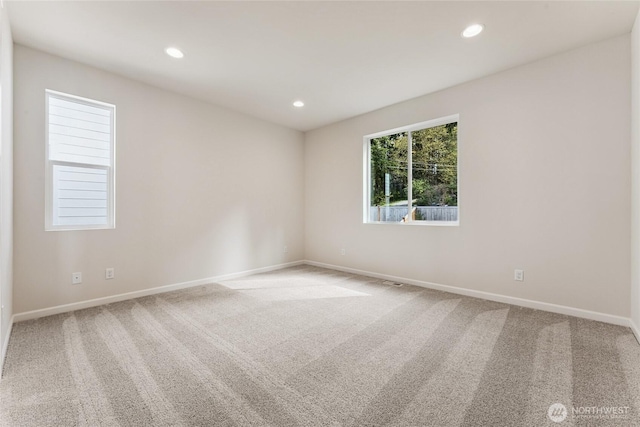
<point>635,176</point>
<point>6,179</point>
<point>201,191</point>
<point>544,185</point>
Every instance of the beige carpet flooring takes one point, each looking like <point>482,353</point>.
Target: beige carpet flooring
<point>307,346</point>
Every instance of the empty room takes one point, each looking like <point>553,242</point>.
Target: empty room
<point>319,213</point>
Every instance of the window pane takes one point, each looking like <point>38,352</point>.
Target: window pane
<point>79,196</point>
<point>389,178</point>
<point>435,173</point>
<point>79,133</point>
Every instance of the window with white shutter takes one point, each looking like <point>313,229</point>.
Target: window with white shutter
<point>80,163</point>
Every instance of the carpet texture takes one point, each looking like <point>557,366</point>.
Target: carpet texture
<point>306,346</point>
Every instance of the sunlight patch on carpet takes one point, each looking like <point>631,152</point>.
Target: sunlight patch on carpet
<point>271,283</point>
<point>299,293</point>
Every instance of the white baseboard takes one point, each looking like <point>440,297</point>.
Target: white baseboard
<point>34,314</point>
<point>635,329</point>
<point>5,345</point>
<point>544,306</point>
<point>538,305</point>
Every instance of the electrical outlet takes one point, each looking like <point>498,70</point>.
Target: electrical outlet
<point>285,250</point>
<point>76,278</point>
<point>110,273</point>
<point>343,251</point>
<point>518,275</point>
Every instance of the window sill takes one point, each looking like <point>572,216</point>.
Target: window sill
<point>78,228</point>
<point>418,223</point>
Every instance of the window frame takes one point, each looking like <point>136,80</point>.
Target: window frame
<point>49,166</point>
<point>453,118</point>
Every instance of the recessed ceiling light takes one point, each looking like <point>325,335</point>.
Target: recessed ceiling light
<point>174,52</point>
<point>298,104</point>
<point>472,30</point>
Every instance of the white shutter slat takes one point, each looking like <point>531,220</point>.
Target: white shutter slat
<point>82,194</point>
<point>83,203</point>
<point>81,115</point>
<point>92,176</point>
<point>82,221</point>
<point>79,106</point>
<point>64,131</point>
<point>66,184</point>
<point>81,212</point>
<point>77,141</point>
<point>77,123</point>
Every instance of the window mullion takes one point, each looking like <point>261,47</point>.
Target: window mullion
<point>409,176</point>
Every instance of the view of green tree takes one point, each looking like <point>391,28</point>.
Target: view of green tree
<point>434,167</point>
<point>389,157</point>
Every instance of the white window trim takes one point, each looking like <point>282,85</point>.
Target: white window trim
<point>366,155</point>
<point>111,176</point>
